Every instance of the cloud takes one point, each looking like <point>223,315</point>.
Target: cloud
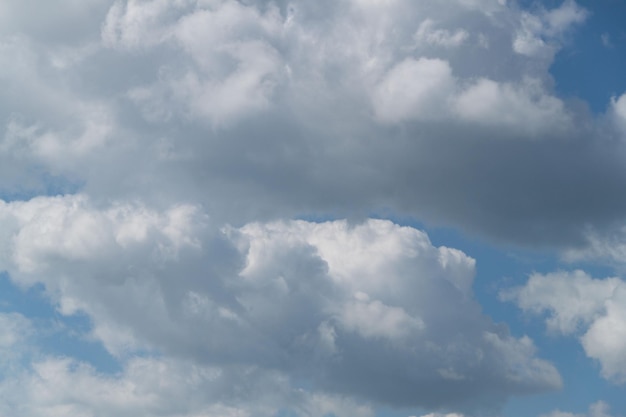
<point>488,102</point>
<point>183,137</point>
<point>608,247</point>
<point>148,387</point>
<point>15,329</point>
<point>598,409</point>
<point>16,334</point>
<point>576,304</point>
<point>618,107</point>
<point>427,34</point>
<point>343,307</point>
<point>237,33</point>
<point>256,110</point>
<point>562,18</point>
<point>539,32</point>
<point>413,89</point>
<point>64,22</point>
<point>443,415</point>
<point>242,107</point>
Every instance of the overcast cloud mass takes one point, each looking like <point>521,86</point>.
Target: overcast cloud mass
<point>207,192</point>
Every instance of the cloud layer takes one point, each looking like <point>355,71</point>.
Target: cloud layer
<point>155,154</point>
<point>263,110</point>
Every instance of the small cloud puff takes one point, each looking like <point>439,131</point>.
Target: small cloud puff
<point>590,309</point>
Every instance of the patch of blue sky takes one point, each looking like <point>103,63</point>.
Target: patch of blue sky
<point>70,339</point>
<point>318,217</point>
<point>582,384</point>
<point>46,184</point>
<point>57,335</point>
<point>591,65</point>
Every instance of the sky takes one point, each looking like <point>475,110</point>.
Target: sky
<point>332,208</point>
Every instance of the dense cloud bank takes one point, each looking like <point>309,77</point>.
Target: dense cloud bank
<point>156,154</point>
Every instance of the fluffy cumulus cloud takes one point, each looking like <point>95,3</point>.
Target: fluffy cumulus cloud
<point>353,310</point>
<point>579,305</point>
<point>154,155</point>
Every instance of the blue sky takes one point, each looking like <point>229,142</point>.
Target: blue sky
<point>357,208</point>
<point>596,48</point>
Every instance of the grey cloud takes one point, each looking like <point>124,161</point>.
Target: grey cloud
<point>276,117</point>
<point>58,22</point>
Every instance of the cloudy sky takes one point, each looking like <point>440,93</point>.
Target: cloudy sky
<point>297,208</point>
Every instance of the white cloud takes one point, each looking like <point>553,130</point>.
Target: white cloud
<point>62,148</point>
<point>428,34</point>
<point>209,89</point>
<point>312,299</point>
<point>16,335</point>
<point>598,409</point>
<point>375,319</point>
<point>413,89</point>
<point>525,107</point>
<point>618,107</point>
<point>564,17</point>
<point>148,386</point>
<point>604,339</point>
<point>540,33</point>
<point>73,249</point>
<point>382,270</point>
<point>607,246</point>
<point>14,328</point>
<point>592,309</point>
<point>573,299</point>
